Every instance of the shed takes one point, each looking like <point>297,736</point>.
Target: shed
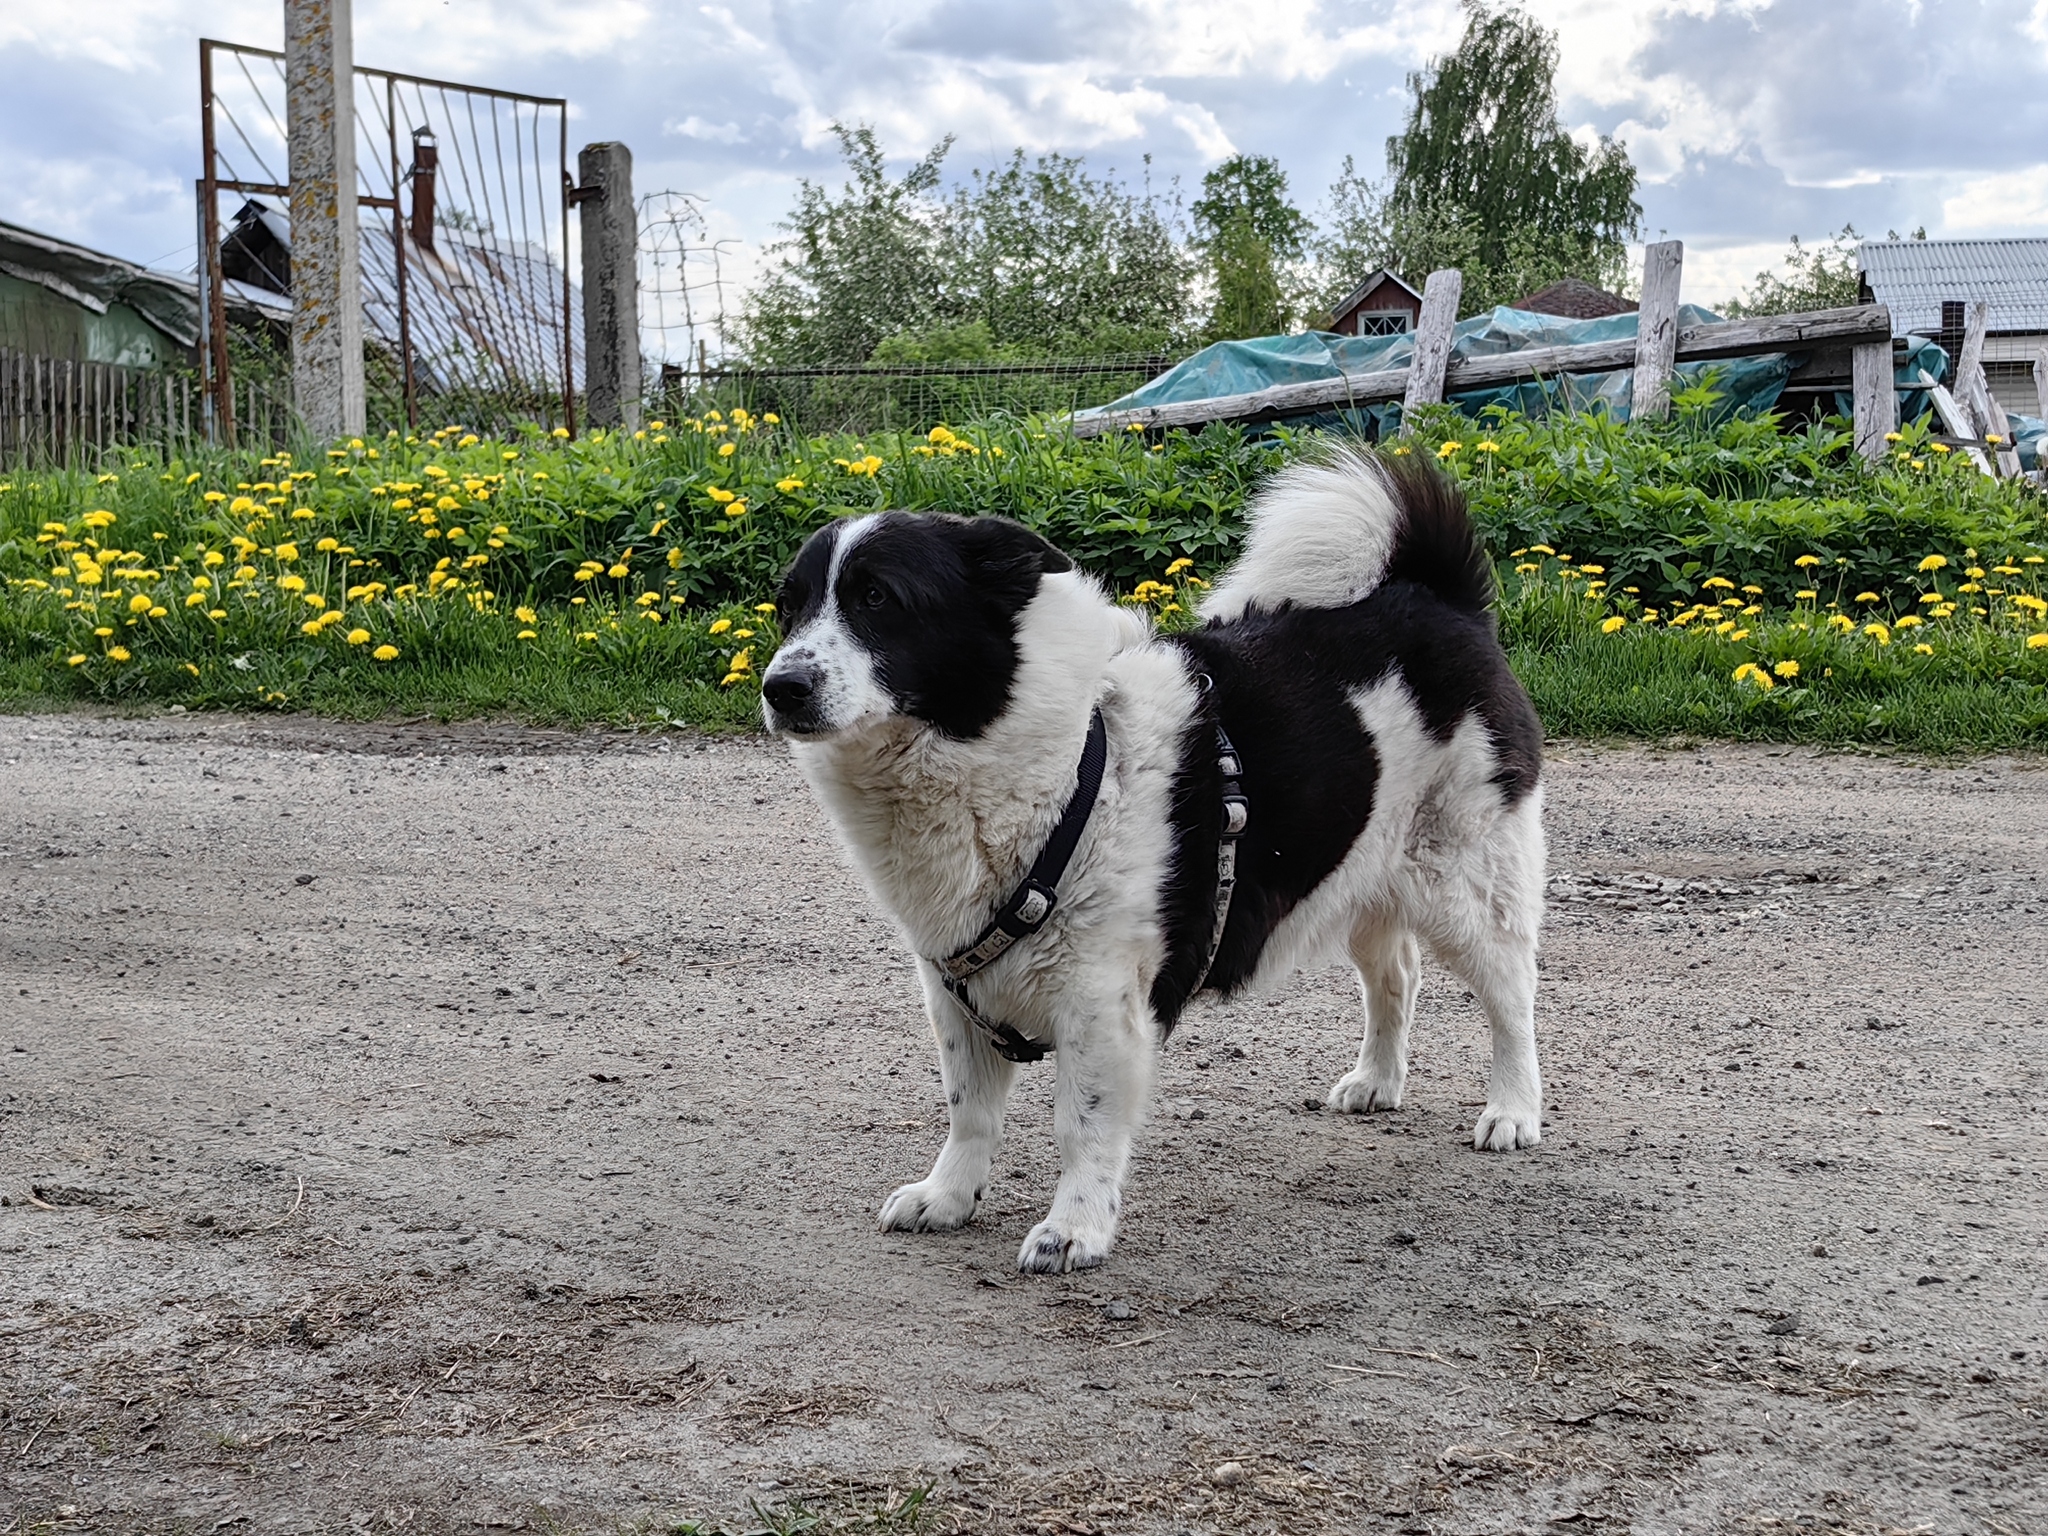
<point>1382,305</point>
<point>68,301</point>
<point>1928,285</point>
<point>1573,298</point>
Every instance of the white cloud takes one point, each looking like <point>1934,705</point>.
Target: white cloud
<point>1997,204</point>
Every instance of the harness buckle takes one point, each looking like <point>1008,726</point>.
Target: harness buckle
<point>1034,905</point>
<point>1237,812</point>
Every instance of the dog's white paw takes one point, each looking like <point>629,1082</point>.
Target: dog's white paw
<point>1360,1093</point>
<point>1053,1248</point>
<point>1502,1128</point>
<point>928,1206</point>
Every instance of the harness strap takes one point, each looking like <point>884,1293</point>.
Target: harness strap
<point>1031,905</point>
<point>1236,813</point>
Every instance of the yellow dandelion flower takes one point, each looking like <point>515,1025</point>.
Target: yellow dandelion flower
<point>357,637</point>
<point>1609,625</point>
<point>385,653</point>
<point>117,653</point>
<point>2038,642</point>
<point>1933,562</point>
<point>1449,449</point>
<point>1787,669</point>
<point>1878,632</point>
<point>75,659</point>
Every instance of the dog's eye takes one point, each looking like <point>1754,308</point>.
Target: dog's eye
<point>874,597</point>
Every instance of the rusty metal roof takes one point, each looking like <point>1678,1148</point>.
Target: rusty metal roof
<point>1913,277</point>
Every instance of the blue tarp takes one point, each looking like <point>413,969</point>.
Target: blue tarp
<point>1241,367</point>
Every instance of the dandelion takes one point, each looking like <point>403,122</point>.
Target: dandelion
<point>1804,561</point>
<point>386,652</point>
<point>1878,632</point>
<point>1486,446</point>
<point>1923,649</point>
<point>75,659</point>
<point>619,570</point>
<point>1787,669</point>
<point>720,626</point>
<point>789,483</point>
<point>1609,625</point>
<point>1449,450</point>
<point>1866,597</point>
<point>1750,672</point>
<point>357,637</point>
<point>1182,564</point>
<point>1933,562</point>
<point>1895,437</point>
<point>1921,463</point>
<point>527,634</point>
<point>117,653</point>
<point>2038,642</point>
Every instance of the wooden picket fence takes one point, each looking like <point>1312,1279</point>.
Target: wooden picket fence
<point>56,411</point>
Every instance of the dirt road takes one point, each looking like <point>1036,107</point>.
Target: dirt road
<point>430,1128</point>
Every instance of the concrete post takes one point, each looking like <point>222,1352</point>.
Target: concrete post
<point>611,286</point>
<point>327,282</point>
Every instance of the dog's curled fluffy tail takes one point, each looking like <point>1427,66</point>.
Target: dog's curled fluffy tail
<point>1332,527</point>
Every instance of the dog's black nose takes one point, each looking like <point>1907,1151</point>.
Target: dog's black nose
<point>789,688</point>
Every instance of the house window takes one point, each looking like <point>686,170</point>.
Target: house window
<point>1383,322</point>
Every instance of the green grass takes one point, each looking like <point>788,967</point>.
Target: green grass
<point>615,580</point>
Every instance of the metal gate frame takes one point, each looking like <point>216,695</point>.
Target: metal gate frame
<point>217,387</point>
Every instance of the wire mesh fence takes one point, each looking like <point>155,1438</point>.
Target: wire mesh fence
<point>682,287</point>
<point>879,397</point>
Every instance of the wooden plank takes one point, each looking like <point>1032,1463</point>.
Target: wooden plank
<point>1724,338</point>
<point>1953,418</point>
<point>1876,408</point>
<point>1962,381</point>
<point>1433,337</point>
<point>2008,456</point>
<point>1657,331</point>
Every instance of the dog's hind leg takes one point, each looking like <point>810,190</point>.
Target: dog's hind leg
<point>1389,964</point>
<point>1099,1101</point>
<point>1487,937</point>
<point>977,1084</point>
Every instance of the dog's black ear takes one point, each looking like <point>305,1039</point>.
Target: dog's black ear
<point>1007,557</point>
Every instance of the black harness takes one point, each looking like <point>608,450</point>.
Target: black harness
<point>1031,905</point>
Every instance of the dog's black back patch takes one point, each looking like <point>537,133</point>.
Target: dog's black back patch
<point>1282,684</point>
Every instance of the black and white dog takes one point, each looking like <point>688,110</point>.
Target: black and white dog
<point>1346,704</point>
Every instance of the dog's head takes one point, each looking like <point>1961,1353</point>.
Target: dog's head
<point>896,615</point>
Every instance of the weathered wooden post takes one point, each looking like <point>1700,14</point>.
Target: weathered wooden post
<point>611,286</point>
<point>327,284</point>
<point>1657,331</point>
<point>1876,403</point>
<point>1433,340</point>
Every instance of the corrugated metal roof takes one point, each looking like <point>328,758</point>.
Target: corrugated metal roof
<point>1913,277</point>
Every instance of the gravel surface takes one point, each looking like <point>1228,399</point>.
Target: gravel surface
<point>451,1128</point>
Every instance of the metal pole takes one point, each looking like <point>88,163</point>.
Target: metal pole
<point>398,248</point>
<point>568,304</point>
<point>220,422</point>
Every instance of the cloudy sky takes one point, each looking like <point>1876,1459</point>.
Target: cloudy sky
<point>1748,119</point>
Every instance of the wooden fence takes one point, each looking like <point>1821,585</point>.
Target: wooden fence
<point>55,411</point>
<point>1849,347</point>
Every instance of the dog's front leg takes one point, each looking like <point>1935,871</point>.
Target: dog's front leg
<point>977,1084</point>
<point>1099,1102</point>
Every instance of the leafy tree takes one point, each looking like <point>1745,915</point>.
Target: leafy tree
<point>1486,179</point>
<point>1824,276</point>
<point>1030,259</point>
<point>1249,234</point>
<point>855,268</point>
<point>1055,262</point>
